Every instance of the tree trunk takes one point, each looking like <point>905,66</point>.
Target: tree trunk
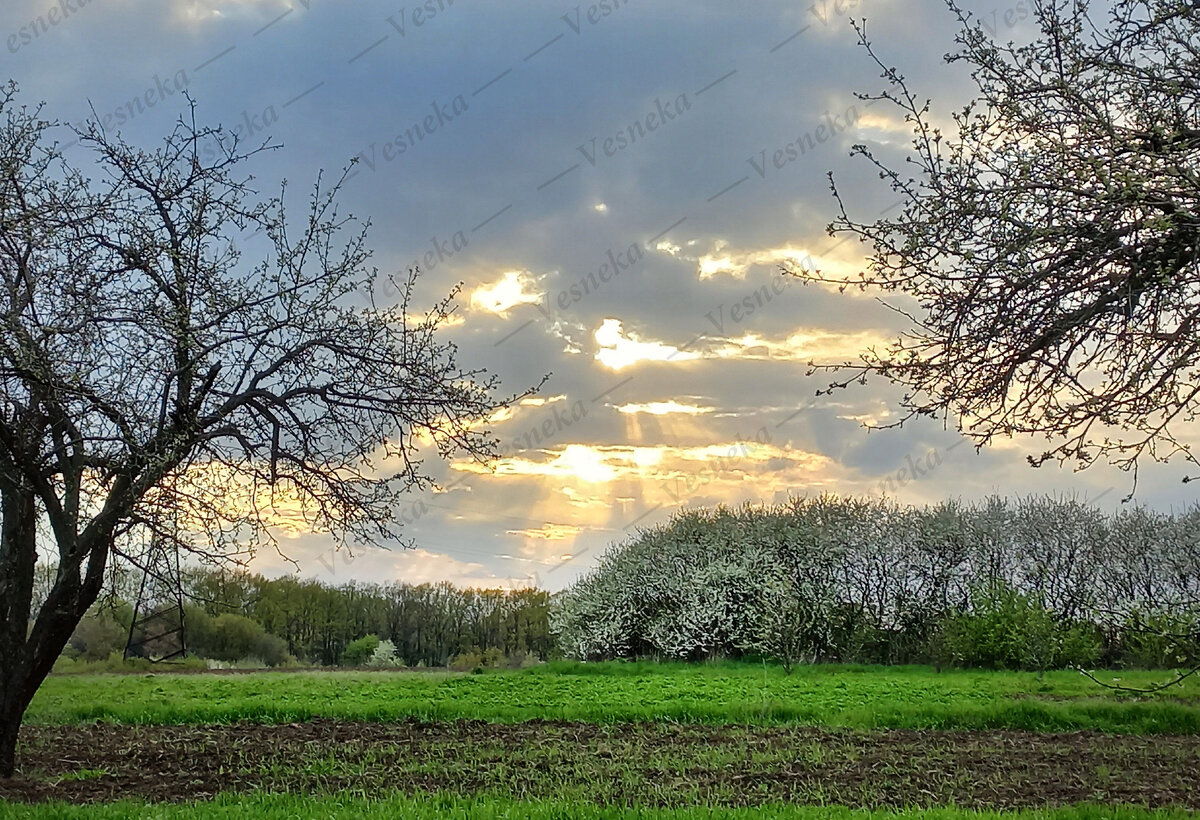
<point>13,703</point>
<point>25,665</point>
<point>18,557</point>
<point>28,654</point>
<point>9,729</point>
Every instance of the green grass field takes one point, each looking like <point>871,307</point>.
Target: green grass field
<point>439,807</point>
<point>857,697</point>
<point>609,740</point>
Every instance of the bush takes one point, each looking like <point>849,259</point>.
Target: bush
<point>714,583</point>
<point>476,659</point>
<point>96,637</point>
<point>230,637</point>
<point>1159,641</point>
<point>1006,629</point>
<point>793,626</point>
<point>856,638</point>
<point>871,581</point>
<point>359,651</point>
<point>251,662</point>
<point>466,661</point>
<point>384,655</point>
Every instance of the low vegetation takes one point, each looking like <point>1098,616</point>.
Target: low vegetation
<point>567,739</point>
<point>829,696</point>
<point>647,764</point>
<point>495,807</point>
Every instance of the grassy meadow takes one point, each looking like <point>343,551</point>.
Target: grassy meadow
<point>863,697</point>
<point>608,740</point>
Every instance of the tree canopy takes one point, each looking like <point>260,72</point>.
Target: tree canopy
<point>157,385</point>
<point>1049,235</point>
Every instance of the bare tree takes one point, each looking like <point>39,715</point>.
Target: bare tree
<point>153,385</point>
<point>1050,236</point>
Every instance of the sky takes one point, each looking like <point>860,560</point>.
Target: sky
<point>615,185</point>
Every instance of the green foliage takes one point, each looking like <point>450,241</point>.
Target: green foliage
<point>1006,629</point>
<point>727,692</point>
<point>360,650</point>
<point>855,637</point>
<point>444,806</point>
<point>1160,641</point>
<point>230,637</point>
<point>476,659</point>
<point>428,623</point>
<point>85,774</point>
<point>97,636</point>
<point>116,663</point>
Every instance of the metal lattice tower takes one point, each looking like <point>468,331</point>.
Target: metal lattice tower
<point>156,631</point>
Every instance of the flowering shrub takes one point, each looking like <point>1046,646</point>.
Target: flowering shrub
<point>384,655</point>
<point>868,580</point>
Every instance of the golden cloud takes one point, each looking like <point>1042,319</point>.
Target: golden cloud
<point>513,288</point>
<point>619,350</point>
<point>591,464</point>
<point>549,532</point>
<point>664,408</point>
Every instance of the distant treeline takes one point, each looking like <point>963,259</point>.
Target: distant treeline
<point>238,616</point>
<point>1029,583</point>
<point>1032,583</point>
<point>429,624</point>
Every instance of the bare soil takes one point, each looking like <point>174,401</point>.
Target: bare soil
<point>647,764</point>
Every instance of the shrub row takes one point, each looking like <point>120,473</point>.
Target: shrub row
<point>1034,583</point>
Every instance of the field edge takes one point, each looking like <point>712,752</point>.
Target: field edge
<point>435,805</point>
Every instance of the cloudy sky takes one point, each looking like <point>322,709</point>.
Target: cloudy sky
<point>603,180</point>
